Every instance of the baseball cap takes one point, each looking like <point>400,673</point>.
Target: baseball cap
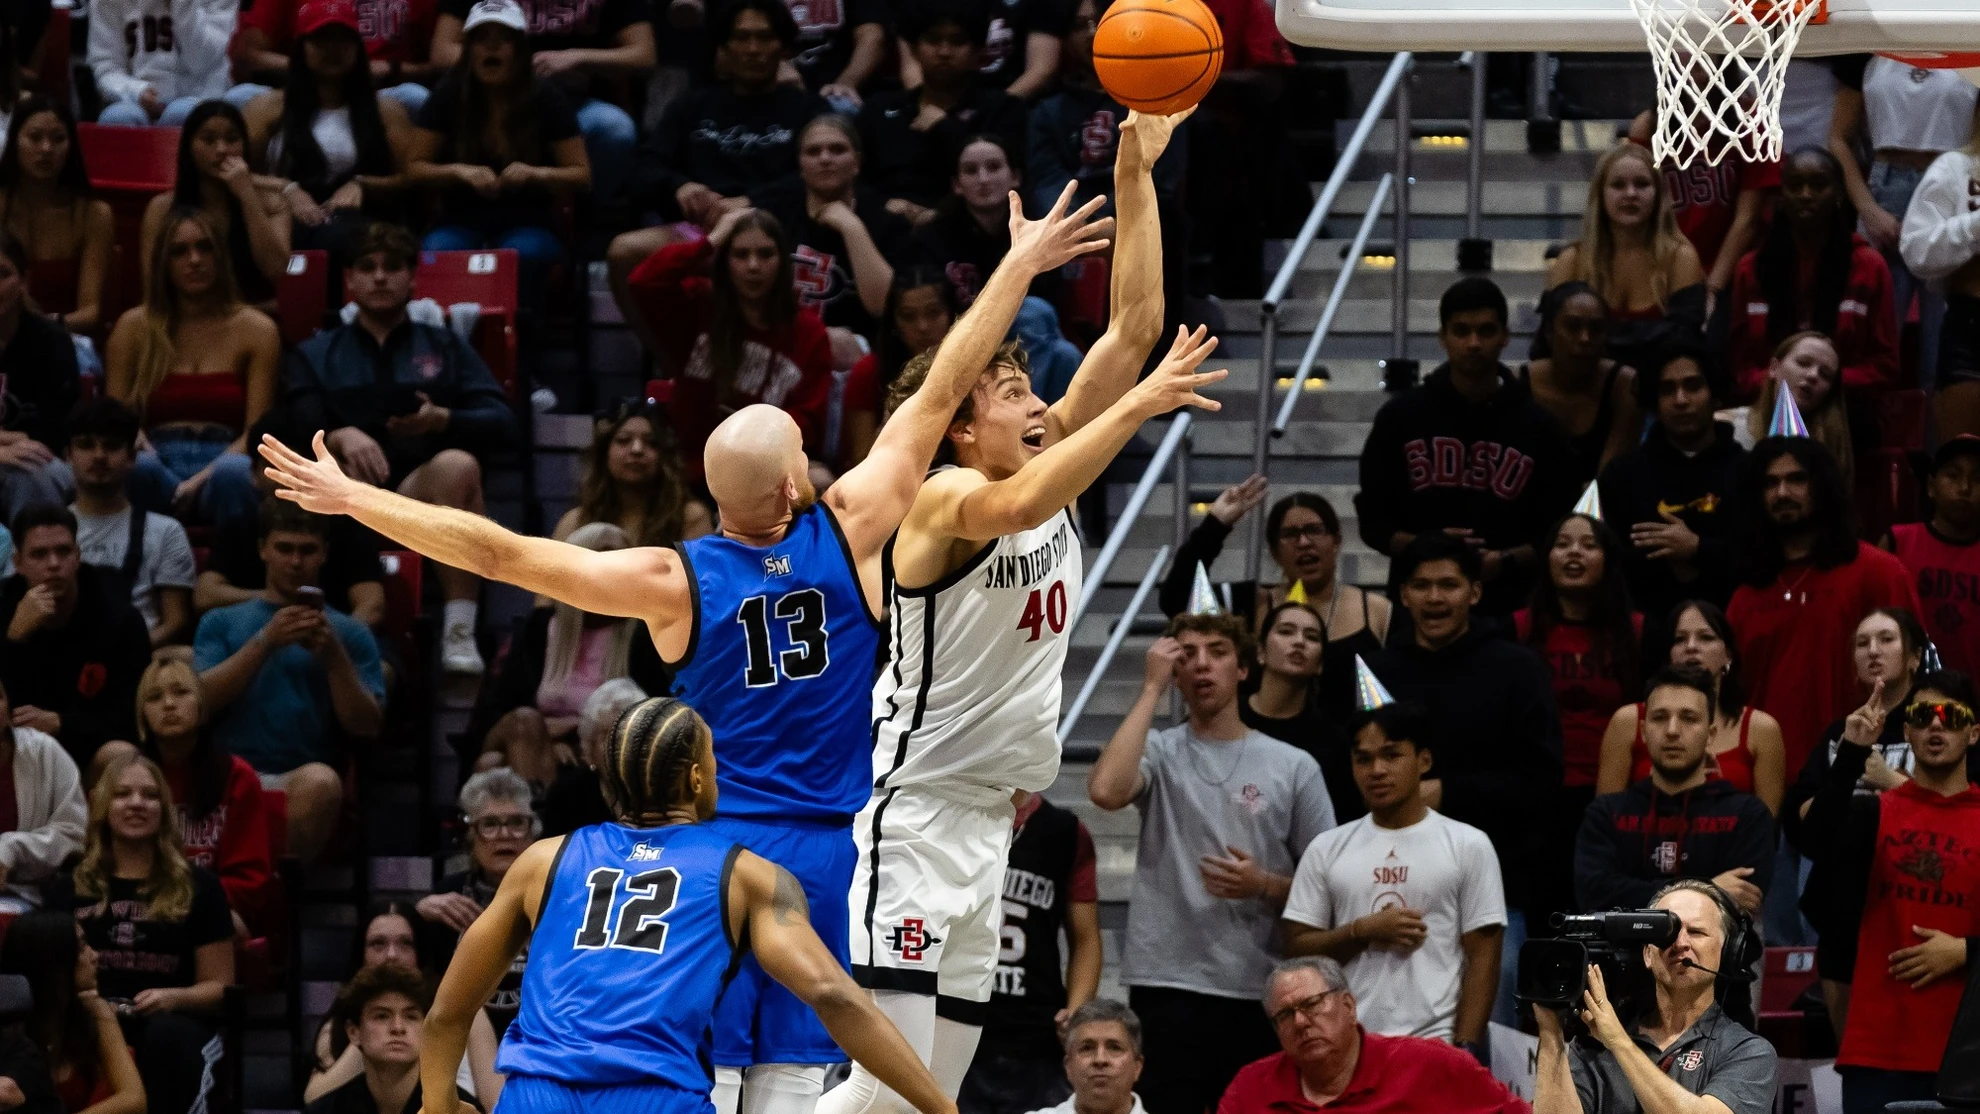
<point>1966,444</point>
<point>507,13</point>
<point>318,14</point>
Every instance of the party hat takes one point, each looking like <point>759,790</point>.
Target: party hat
<point>1786,421</point>
<point>1928,659</point>
<point>1296,593</point>
<point>1590,502</point>
<point>1202,597</point>
<point>1368,690</point>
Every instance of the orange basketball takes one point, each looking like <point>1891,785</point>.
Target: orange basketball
<point>1158,56</point>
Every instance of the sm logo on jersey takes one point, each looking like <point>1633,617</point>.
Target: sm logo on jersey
<point>777,566</point>
<point>911,939</point>
<point>642,853</point>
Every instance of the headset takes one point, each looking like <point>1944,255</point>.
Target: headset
<point>1743,947</point>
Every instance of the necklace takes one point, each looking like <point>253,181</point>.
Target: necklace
<point>1788,595</point>
<point>1197,768</point>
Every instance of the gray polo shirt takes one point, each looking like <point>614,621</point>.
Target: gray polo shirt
<point>1201,797</point>
<point>1717,1056</point>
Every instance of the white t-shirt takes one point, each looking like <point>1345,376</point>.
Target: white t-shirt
<point>167,560</point>
<point>1439,867</point>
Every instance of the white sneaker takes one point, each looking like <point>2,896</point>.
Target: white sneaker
<point>458,653</point>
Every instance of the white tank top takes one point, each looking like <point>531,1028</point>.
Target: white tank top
<point>968,704</point>
<point>1911,109</point>
<point>332,131</point>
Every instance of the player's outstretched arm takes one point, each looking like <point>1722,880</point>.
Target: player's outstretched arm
<point>873,497</point>
<point>963,504</point>
<point>1134,295</point>
<point>771,903</point>
<point>483,956</point>
<point>641,583</point>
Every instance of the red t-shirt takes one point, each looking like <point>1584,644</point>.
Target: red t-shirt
<point>1395,1075</point>
<point>1795,637</point>
<point>1251,35</point>
<point>1704,199</point>
<point>393,30</point>
<point>1586,690</point>
<point>1947,576</point>
<point>1924,871</point>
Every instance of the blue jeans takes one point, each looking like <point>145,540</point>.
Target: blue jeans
<point>609,136</point>
<point>1505,1010</point>
<point>129,114</point>
<point>411,95</point>
<point>1893,186</point>
<point>241,94</point>
<point>227,497</point>
<point>537,249</point>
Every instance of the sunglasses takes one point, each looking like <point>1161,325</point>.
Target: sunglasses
<point>1955,715</point>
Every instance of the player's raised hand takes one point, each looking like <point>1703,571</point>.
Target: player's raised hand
<point>318,486</point>
<point>1144,138</point>
<point>1175,381</point>
<point>1060,237</point>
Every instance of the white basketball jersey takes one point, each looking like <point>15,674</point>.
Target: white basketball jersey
<point>969,700</point>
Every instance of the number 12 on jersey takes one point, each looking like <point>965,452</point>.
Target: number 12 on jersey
<point>1044,608</point>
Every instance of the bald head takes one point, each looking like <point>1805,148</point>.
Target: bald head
<point>756,468</point>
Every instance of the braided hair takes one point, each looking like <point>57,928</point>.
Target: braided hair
<point>648,757</point>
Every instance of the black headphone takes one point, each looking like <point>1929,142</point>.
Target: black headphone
<point>1743,947</point>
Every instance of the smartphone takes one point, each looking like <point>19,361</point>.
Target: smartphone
<point>310,595</point>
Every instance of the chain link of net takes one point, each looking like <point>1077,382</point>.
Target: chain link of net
<point>1721,68</point>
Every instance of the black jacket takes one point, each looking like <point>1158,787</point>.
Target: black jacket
<point>920,165</point>
<point>1435,459</point>
<point>1699,489</point>
<point>85,671</point>
<point>1496,738</point>
<point>38,371</point>
<point>1636,842</point>
<point>732,144</point>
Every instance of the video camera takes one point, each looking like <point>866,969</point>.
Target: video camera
<point>1554,972</point>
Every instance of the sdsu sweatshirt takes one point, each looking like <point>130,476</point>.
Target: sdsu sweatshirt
<point>177,48</point>
<point>1638,841</point>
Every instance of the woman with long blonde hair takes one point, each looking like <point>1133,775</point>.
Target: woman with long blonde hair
<point>1632,253</point>
<point>200,367</point>
<point>528,717</point>
<point>632,479</point>
<point>162,928</point>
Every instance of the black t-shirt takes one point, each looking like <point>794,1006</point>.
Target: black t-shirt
<point>29,19</point>
<point>919,165</point>
<point>967,253</point>
<point>355,1098</point>
<point>555,121</point>
<point>820,263</point>
<point>1849,69</point>
<point>825,35</point>
<point>732,143</point>
<point>39,381</point>
<point>506,1002</point>
<point>1011,23</point>
<point>135,952</point>
<point>350,557</point>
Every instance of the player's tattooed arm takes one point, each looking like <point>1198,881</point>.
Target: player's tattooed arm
<point>788,904</point>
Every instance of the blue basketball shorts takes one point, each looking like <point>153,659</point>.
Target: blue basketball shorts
<point>533,1094</point>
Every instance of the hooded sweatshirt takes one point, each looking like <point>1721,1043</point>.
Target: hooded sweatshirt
<point>1435,459</point>
<point>1495,738</point>
<point>177,48</point>
<point>1053,359</point>
<point>1638,841</point>
<point>1655,478</point>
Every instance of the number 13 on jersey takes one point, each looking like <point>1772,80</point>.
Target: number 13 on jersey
<point>803,615</point>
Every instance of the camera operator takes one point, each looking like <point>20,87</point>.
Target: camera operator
<point>1681,1054</point>
<point>1908,861</point>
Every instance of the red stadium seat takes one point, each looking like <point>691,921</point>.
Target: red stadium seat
<point>128,167</point>
<point>486,277</point>
<point>302,294</point>
<point>202,555</point>
<point>495,342</point>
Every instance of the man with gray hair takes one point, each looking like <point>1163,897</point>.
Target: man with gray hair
<point>1326,1060</point>
<point>1103,1060</point>
<point>500,826</point>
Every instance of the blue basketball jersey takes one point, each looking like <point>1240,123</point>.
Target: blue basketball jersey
<point>629,956</point>
<point>780,663</point>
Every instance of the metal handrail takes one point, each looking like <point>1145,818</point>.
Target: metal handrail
<point>1114,641</point>
<point>1392,82</point>
<point>1096,575</point>
<point>1334,300</point>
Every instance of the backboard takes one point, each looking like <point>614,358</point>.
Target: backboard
<point>1938,29</point>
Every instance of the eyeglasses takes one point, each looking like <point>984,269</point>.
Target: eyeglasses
<point>1310,1009</point>
<point>1311,532</point>
<point>1955,715</point>
<point>495,827</point>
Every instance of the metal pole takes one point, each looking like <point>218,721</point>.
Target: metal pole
<point>1399,281</point>
<point>1138,499</point>
<point>1182,492</point>
<point>1333,306</point>
<point>1268,351</point>
<point>1474,210</point>
<point>1114,641</point>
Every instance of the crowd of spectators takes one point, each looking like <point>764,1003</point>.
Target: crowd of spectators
<point>1706,688</point>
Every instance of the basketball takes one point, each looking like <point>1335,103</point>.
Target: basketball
<point>1158,56</point>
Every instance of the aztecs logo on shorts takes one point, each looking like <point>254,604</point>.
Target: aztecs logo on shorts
<point>911,940</point>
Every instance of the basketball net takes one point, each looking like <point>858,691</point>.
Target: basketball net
<point>1721,68</point>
